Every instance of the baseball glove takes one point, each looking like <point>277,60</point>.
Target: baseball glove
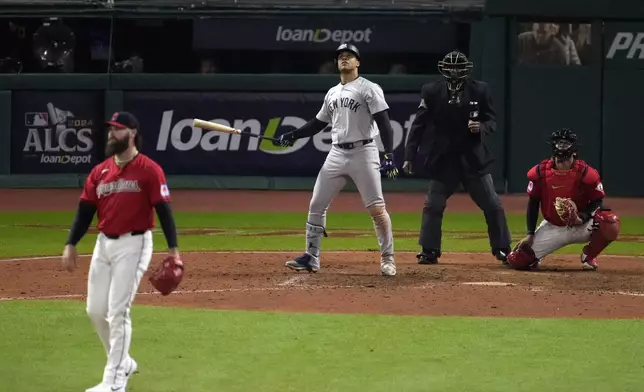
<point>567,211</point>
<point>167,275</point>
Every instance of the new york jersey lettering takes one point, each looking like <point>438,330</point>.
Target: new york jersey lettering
<point>349,108</point>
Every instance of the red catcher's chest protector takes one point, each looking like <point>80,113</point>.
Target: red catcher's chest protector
<point>563,183</point>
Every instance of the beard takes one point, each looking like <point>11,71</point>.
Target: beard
<point>116,146</point>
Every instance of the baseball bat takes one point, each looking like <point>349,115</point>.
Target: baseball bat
<point>213,126</point>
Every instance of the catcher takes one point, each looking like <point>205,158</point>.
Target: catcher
<point>571,195</point>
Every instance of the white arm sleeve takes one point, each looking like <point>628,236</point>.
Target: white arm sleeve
<point>375,98</point>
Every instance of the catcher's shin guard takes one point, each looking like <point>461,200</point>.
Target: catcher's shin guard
<point>605,229</point>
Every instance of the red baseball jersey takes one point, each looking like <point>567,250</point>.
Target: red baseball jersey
<point>581,183</point>
<point>125,197</point>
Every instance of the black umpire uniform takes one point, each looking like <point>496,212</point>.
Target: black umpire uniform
<point>454,117</point>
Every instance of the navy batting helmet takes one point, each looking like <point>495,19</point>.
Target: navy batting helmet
<point>347,48</point>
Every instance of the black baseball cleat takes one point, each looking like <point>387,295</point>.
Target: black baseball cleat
<point>428,257</point>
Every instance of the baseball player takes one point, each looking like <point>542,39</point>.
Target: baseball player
<point>554,184</point>
<point>357,111</point>
<point>124,190</point>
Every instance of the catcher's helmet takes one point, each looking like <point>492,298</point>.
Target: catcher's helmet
<point>564,143</point>
<point>347,48</point>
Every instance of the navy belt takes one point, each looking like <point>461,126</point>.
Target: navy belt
<point>351,146</point>
<point>116,237</point>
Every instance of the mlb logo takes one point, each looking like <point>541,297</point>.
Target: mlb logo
<point>36,119</point>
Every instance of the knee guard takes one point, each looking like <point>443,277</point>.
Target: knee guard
<point>605,229</point>
<point>522,257</point>
<point>314,235</point>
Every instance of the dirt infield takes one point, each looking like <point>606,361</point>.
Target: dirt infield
<point>349,282</point>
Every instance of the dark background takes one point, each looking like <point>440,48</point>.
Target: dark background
<point>599,98</point>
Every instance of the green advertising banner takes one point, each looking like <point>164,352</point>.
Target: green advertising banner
<point>624,45</point>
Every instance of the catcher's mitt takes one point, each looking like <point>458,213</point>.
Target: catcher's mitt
<point>167,275</point>
<point>567,211</point>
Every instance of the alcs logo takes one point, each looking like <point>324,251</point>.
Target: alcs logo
<point>58,135</point>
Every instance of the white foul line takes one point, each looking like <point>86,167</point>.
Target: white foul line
<point>289,284</point>
<point>179,292</point>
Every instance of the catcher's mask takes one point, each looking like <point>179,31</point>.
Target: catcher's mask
<point>564,143</point>
<point>455,68</point>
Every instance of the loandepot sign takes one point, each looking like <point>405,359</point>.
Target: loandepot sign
<point>182,136</point>
<point>322,35</point>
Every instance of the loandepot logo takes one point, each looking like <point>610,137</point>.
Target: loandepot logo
<point>183,137</point>
<point>322,35</point>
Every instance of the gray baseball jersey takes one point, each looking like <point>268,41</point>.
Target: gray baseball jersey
<point>349,108</point>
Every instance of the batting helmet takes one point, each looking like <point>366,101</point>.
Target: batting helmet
<point>522,257</point>
<point>347,48</point>
<point>564,143</point>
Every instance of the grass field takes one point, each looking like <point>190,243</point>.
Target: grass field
<point>51,346</point>
<point>463,232</point>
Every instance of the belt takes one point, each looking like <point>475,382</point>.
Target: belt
<point>116,237</point>
<point>351,146</point>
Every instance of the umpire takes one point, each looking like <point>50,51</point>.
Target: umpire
<point>454,117</point>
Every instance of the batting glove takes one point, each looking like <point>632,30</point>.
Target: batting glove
<point>388,166</point>
<point>285,140</point>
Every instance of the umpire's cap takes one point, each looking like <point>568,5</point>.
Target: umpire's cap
<point>347,48</point>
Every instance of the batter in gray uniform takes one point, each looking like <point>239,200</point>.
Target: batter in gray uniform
<point>357,111</point>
